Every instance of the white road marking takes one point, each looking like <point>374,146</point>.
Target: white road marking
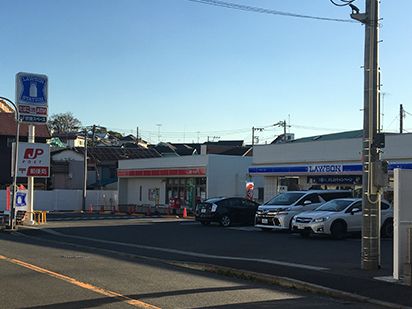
<point>189,253</point>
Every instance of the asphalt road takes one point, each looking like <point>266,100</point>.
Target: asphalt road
<point>119,263</point>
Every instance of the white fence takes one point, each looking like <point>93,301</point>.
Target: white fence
<point>63,200</point>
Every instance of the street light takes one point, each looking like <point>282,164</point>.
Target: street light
<point>16,152</point>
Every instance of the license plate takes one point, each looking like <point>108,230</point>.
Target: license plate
<point>265,221</point>
<point>300,227</point>
<point>203,210</point>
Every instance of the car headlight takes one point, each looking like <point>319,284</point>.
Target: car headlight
<point>284,211</point>
<point>214,207</point>
<point>317,220</point>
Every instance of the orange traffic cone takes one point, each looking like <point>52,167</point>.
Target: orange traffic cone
<point>184,213</point>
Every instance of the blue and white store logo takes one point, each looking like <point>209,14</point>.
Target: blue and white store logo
<point>21,199</point>
<point>325,168</point>
<point>31,89</point>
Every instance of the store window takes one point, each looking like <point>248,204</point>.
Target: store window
<point>189,191</point>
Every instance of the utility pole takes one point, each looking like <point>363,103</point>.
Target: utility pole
<point>85,171</point>
<point>401,116</point>
<point>284,131</point>
<point>372,167</point>
<point>253,134</point>
<point>284,125</point>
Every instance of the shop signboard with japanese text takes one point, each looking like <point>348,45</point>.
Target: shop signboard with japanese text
<point>33,160</point>
<point>31,97</point>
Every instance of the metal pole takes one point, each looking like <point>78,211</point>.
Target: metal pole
<point>30,180</point>
<point>85,172</point>
<point>253,136</point>
<point>370,192</point>
<point>15,166</point>
<point>284,131</point>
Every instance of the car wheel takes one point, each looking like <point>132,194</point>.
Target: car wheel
<point>387,229</point>
<point>205,222</point>
<point>338,230</point>
<point>225,221</point>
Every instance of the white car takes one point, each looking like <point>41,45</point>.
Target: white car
<point>277,213</point>
<point>338,218</point>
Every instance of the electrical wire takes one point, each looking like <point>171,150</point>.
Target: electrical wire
<point>247,8</point>
<point>343,2</point>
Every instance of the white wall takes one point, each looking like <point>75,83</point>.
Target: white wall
<point>270,188</point>
<point>60,200</point>
<point>133,190</point>
<point>402,219</point>
<point>398,147</point>
<point>227,175</point>
<point>68,155</point>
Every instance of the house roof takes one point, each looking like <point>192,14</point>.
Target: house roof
<point>329,137</point>
<point>69,135</point>
<point>232,143</point>
<point>237,151</point>
<point>118,153</point>
<point>8,127</point>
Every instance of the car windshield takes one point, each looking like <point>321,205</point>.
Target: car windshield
<point>285,198</point>
<point>334,205</point>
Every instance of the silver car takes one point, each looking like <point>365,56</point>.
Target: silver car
<point>278,212</point>
<point>338,218</point>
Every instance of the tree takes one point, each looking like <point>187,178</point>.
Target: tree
<point>117,135</point>
<point>64,123</point>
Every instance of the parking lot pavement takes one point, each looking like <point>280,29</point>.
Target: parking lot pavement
<point>280,258</point>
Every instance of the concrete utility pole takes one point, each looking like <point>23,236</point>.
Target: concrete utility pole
<point>373,174</point>
<point>85,171</point>
<point>253,134</point>
<point>401,116</point>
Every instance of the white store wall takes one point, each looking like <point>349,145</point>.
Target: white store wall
<point>137,195</point>
<point>227,175</point>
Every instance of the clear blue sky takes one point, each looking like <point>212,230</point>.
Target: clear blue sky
<point>200,70</point>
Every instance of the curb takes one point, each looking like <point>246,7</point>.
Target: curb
<point>287,283</point>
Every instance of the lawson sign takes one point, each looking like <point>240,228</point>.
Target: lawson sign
<point>320,169</point>
<point>313,169</point>
<point>325,168</point>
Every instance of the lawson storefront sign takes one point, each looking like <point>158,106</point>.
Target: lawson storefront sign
<point>319,169</point>
<point>312,169</point>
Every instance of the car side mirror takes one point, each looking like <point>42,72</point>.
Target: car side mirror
<point>355,210</point>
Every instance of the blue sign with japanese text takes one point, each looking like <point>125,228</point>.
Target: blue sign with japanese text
<point>31,97</point>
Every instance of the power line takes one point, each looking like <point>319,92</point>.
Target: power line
<point>342,2</point>
<point>231,5</point>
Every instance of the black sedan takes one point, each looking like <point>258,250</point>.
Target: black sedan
<point>226,211</point>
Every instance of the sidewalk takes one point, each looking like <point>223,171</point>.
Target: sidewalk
<point>376,287</point>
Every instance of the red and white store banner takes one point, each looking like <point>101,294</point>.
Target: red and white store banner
<point>198,171</point>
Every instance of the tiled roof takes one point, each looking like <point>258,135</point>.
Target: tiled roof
<point>118,153</point>
<point>8,127</point>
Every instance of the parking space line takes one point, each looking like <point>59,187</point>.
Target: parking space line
<point>84,285</point>
<point>189,253</point>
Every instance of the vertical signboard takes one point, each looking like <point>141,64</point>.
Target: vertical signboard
<point>33,160</point>
<point>31,97</point>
